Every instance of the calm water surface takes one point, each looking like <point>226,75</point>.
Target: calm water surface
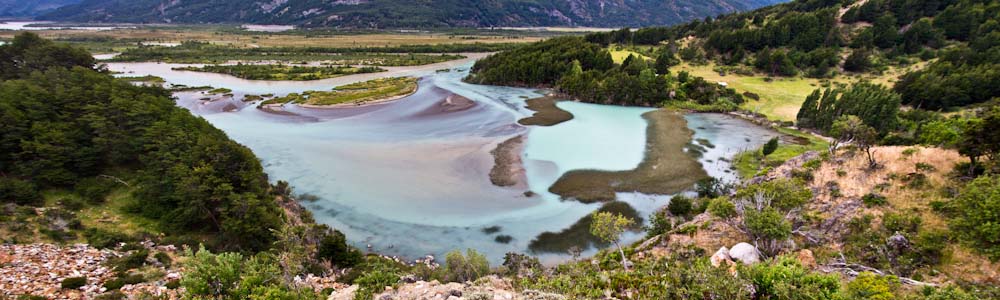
<point>411,182</point>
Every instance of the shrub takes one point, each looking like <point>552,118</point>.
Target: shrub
<point>906,223</point>
<point>786,279</point>
<point>658,224</point>
<point>381,275</point>
<point>114,284</point>
<point>924,167</point>
<point>947,293</point>
<point>71,204</point>
<point>517,264</point>
<point>102,239</point>
<point>976,215</point>
<point>469,267</point>
<point>174,284</point>
<point>679,205</point>
<point>768,224</point>
<point>722,208</point>
<point>134,278</point>
<point>20,192</point>
<point>712,187</point>
<point>94,190</point>
<point>113,295</point>
<point>770,147</point>
<point>916,180</point>
<point>229,275</point>
<point>928,247</point>
<point>73,283</point>
<point>163,258</point>
<point>813,164</point>
<point>872,287</point>
<point>785,194</point>
<point>133,260</point>
<point>334,248</point>
<point>803,174</point>
<point>873,199</point>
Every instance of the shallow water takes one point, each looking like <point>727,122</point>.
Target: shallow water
<point>267,28</point>
<point>24,25</point>
<point>412,183</point>
<point>192,78</point>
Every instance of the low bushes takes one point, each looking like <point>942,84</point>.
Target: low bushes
<point>73,283</point>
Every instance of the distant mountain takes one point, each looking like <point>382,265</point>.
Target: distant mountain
<point>404,13</point>
<point>30,8</point>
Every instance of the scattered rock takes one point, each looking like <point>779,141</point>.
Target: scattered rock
<point>487,288</point>
<point>720,256</point>
<point>898,242</point>
<point>745,253</point>
<point>343,294</point>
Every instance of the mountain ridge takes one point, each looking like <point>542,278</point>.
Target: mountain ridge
<point>404,14</point>
<point>21,8</point>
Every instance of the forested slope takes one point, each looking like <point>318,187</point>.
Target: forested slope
<point>815,38</point>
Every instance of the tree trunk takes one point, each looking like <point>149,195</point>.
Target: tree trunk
<point>624,260</point>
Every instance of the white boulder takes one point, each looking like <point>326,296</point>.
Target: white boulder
<point>745,253</point>
<point>720,256</point>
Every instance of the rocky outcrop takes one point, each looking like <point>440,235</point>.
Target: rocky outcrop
<point>487,288</point>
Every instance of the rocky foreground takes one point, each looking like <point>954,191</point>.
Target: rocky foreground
<point>487,288</point>
<point>39,270</point>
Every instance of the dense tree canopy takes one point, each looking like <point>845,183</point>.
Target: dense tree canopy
<point>540,63</point>
<point>29,52</point>
<point>811,38</point>
<point>874,104</point>
<point>63,122</point>
<point>585,71</point>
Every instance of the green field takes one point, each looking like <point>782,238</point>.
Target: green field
<point>751,163</point>
<point>620,55</point>
<point>781,97</point>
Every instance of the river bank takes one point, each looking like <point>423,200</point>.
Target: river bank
<point>546,112</point>
<point>508,169</point>
<point>666,168</point>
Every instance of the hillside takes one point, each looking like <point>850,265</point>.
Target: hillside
<point>404,14</point>
<point>21,8</point>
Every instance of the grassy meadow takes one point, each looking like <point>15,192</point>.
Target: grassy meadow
<point>781,97</point>
<point>355,93</point>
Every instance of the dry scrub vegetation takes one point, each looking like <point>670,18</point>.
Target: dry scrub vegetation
<point>910,179</point>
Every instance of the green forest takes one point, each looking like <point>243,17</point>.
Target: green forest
<point>585,71</point>
<point>958,38</point>
<point>67,123</point>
